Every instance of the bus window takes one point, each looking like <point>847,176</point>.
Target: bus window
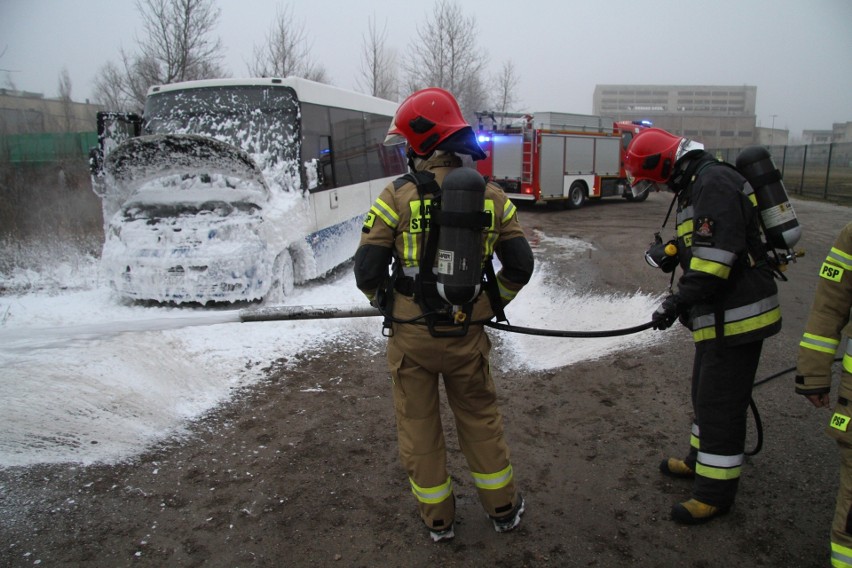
<point>350,160</point>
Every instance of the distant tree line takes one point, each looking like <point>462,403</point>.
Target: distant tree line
<point>179,44</point>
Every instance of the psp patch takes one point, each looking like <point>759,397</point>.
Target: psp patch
<point>369,221</point>
<point>704,227</point>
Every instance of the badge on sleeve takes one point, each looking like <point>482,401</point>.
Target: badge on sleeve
<point>704,227</point>
<point>369,221</point>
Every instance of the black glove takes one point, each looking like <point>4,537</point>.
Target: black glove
<point>667,313</point>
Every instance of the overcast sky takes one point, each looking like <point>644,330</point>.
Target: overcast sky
<point>797,53</point>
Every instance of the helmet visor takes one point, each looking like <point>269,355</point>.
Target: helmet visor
<point>641,187</point>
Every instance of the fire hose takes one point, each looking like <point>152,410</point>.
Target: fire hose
<point>276,313</point>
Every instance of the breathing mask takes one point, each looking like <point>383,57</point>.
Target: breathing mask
<point>662,255</point>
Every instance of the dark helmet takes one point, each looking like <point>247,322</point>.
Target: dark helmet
<point>431,119</point>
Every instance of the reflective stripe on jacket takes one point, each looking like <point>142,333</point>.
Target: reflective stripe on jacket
<point>828,316</point>
<point>718,234</point>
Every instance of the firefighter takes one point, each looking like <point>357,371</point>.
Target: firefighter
<point>828,316</point>
<point>397,228</point>
<point>726,296</point>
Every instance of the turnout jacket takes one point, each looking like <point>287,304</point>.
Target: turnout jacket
<point>395,228</point>
<point>727,288</point>
<point>828,316</point>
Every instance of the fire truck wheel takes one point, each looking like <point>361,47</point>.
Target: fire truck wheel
<point>576,196</point>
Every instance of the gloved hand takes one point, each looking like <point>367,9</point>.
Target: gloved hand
<point>667,313</point>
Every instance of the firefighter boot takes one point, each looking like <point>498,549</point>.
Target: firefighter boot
<point>674,467</point>
<point>695,512</point>
<point>511,520</point>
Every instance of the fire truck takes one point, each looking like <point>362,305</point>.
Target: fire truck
<point>557,158</point>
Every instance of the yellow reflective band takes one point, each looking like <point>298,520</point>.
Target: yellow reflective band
<point>831,272</point>
<point>839,422</point>
<point>841,556</point>
<point>738,327</point>
<point>505,293</point>
<point>497,480</point>
<point>684,228</point>
<point>385,213</point>
<point>508,211</point>
<point>409,249</point>
<point>695,442</point>
<point>847,363</point>
<point>710,267</point>
<point>841,258</point>
<point>819,343</point>
<point>719,473</point>
<point>432,495</point>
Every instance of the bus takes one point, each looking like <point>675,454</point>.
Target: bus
<point>236,190</point>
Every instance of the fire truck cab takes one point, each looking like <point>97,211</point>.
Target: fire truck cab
<point>557,158</point>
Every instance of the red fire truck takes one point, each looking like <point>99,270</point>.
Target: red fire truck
<point>558,158</point>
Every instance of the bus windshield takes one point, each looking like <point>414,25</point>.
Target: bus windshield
<point>260,119</point>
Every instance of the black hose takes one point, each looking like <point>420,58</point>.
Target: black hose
<point>758,424</point>
<point>560,333</point>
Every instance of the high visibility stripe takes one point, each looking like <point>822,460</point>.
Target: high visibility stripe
<point>819,343</point>
<point>491,235</point>
<point>493,480</point>
<point>386,214</point>
<point>709,267</point>
<point>840,258</point>
<point>685,215</point>
<point>410,249</point>
<point>847,362</point>
<point>432,495</point>
<point>509,211</point>
<point>739,320</point>
<point>695,437</point>
<point>841,556</point>
<point>505,293</point>
<point>748,190</point>
<point>715,255</point>
<point>684,228</point>
<point>720,467</point>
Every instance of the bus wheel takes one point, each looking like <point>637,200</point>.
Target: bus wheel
<point>284,278</point>
<point>576,196</point>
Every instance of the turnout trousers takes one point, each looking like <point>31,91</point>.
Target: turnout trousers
<point>722,381</point>
<point>841,526</point>
<point>417,361</point>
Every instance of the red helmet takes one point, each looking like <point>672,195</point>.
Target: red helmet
<point>651,155</point>
<point>429,119</point>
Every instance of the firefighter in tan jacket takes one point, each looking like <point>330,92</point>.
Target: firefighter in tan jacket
<point>420,350</point>
<point>828,316</point>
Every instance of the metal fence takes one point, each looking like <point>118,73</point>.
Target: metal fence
<point>822,171</point>
<point>45,148</point>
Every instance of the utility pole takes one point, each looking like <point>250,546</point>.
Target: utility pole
<point>772,131</point>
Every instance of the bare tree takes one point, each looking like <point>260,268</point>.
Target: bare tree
<point>178,46</point>
<point>507,84</point>
<point>65,97</point>
<point>378,64</point>
<point>445,54</point>
<point>286,51</point>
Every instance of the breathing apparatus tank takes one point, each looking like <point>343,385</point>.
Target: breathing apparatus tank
<point>780,224</point>
<point>459,257</point>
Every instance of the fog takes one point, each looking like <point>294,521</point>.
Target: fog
<point>797,54</point>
